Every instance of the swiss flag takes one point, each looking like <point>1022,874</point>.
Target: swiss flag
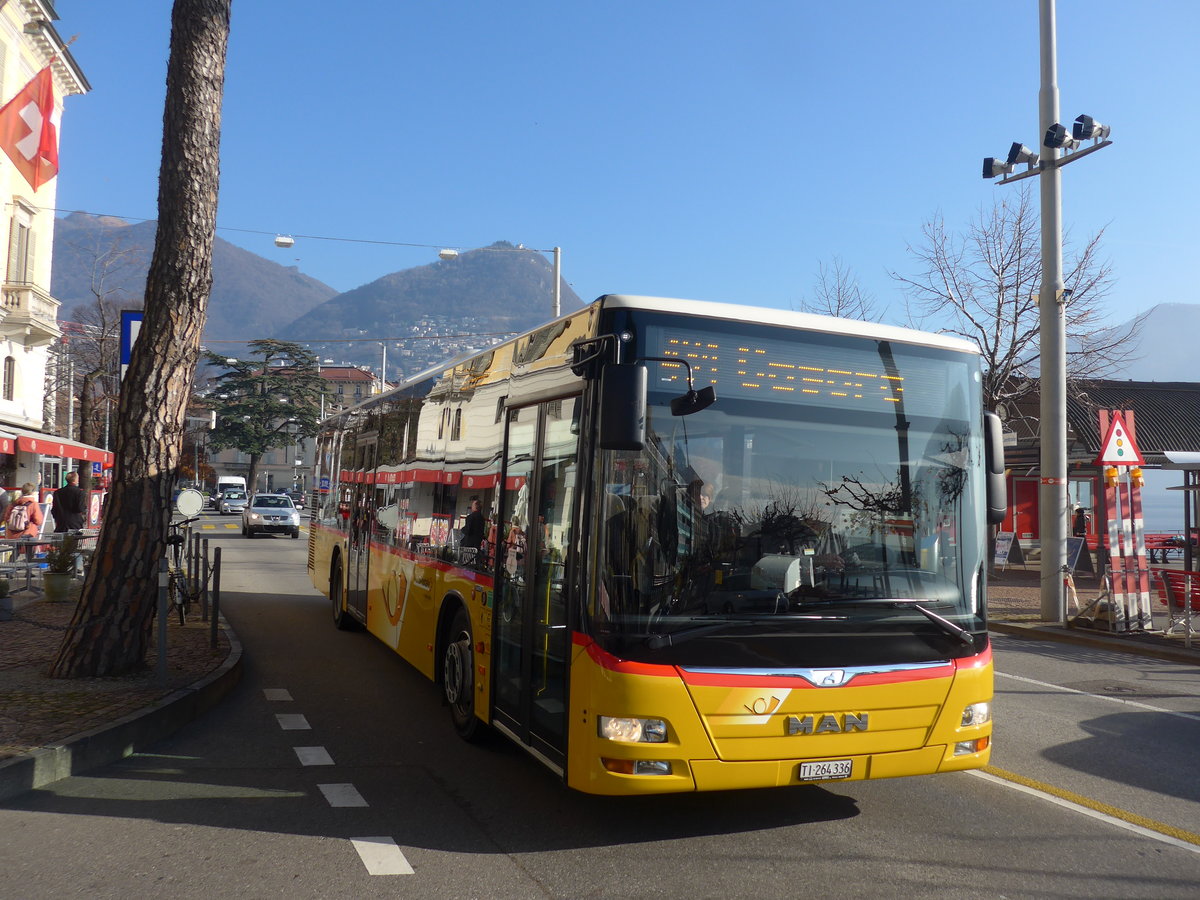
<point>27,130</point>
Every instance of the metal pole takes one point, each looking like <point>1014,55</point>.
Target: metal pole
<point>216,599</point>
<point>1052,496</point>
<point>204,584</point>
<point>557,282</point>
<point>160,669</point>
<point>70,399</point>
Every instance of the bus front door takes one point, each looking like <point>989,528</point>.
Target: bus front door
<point>362,525</point>
<point>530,636</point>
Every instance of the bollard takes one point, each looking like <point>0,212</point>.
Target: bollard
<point>161,668</point>
<point>216,599</point>
<point>204,584</point>
<point>193,560</point>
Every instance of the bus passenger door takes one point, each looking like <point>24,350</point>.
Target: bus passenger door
<point>362,526</point>
<point>531,641</point>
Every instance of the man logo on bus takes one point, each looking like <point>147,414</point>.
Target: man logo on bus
<point>828,723</point>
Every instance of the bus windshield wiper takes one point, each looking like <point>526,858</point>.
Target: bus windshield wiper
<point>945,624</point>
<point>919,605</point>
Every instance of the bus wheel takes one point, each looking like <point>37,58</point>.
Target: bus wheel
<point>341,618</point>
<point>458,682</point>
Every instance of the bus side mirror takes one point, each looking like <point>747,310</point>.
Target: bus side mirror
<point>693,401</point>
<point>623,407</point>
<point>993,449</point>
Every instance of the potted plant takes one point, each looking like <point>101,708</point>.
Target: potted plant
<point>60,567</point>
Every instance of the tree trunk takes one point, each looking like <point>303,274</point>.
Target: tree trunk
<point>111,628</point>
<point>252,475</point>
<point>88,432</point>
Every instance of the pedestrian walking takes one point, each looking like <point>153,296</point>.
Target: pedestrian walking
<point>24,518</point>
<point>69,506</point>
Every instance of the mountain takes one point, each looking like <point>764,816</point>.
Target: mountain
<point>480,294</point>
<point>1167,346</point>
<point>252,297</point>
<point>502,287</point>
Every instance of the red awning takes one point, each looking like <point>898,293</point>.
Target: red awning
<point>7,444</point>
<point>49,445</point>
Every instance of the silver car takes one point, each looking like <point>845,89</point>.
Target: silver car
<point>271,514</point>
<point>232,501</point>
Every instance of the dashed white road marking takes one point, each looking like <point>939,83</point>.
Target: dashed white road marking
<point>381,856</point>
<point>342,795</point>
<point>292,722</point>
<point>313,756</point>
<point>277,694</point>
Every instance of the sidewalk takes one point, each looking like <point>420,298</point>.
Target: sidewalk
<point>51,728</point>
<point>1014,607</point>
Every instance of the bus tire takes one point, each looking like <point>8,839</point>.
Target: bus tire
<point>458,682</point>
<point>341,618</point>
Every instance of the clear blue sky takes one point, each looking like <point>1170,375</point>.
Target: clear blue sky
<point>690,149</point>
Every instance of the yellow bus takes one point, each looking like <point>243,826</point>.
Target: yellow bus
<point>717,546</point>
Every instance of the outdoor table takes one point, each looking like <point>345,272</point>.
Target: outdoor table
<point>14,554</point>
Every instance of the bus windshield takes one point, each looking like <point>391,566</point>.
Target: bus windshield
<point>828,496</point>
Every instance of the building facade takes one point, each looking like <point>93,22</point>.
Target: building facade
<point>30,44</point>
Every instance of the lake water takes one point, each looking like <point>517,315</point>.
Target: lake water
<point>1162,510</point>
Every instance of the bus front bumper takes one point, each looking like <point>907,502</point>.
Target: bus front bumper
<point>718,775</point>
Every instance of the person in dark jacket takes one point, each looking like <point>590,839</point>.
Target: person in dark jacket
<point>473,527</point>
<point>69,506</point>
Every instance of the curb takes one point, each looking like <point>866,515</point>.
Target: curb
<point>117,740</point>
<point>1135,645</point>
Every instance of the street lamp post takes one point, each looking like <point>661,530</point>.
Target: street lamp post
<point>1052,300</point>
<point>557,282</point>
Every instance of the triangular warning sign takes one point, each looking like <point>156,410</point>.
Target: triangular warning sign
<point>1118,448</point>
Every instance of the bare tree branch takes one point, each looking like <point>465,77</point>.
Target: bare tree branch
<point>838,293</point>
<point>983,286</point>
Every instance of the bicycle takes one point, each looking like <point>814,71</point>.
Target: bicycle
<point>180,594</point>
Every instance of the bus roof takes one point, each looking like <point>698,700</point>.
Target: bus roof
<point>788,319</point>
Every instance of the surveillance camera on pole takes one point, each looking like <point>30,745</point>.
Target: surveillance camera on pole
<point>1057,138</point>
<point>993,167</point>
<point>1019,153</point>
<point>1088,129</point>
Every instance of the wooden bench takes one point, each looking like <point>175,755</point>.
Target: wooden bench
<point>1163,545</point>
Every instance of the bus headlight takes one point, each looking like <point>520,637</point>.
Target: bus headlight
<point>638,766</point>
<point>633,731</point>
<point>977,714</point>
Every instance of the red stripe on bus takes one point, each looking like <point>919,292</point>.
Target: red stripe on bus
<point>606,660</point>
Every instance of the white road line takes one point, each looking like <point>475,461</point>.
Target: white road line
<point>313,756</point>
<point>342,795</point>
<point>1095,814</point>
<point>277,694</point>
<point>292,722</point>
<point>1066,690</point>
<point>381,856</point>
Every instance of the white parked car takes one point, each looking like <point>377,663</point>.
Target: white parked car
<point>271,514</point>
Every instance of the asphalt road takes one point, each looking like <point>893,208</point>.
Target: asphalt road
<point>334,759</point>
